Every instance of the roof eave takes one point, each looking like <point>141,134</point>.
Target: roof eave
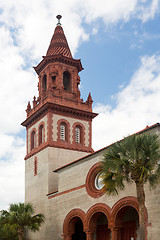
<point>58,58</point>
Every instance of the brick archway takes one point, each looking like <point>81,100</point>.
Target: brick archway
<point>124,202</point>
<point>118,207</point>
<point>97,208</point>
<point>70,220</point>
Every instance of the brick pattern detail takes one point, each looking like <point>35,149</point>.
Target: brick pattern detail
<point>49,127</point>
<point>58,44</point>
<point>35,166</point>
<point>90,134</point>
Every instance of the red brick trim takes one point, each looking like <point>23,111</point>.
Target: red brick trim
<point>82,133</point>
<point>89,218</point>
<point>54,144</point>
<point>27,141</point>
<point>41,124</point>
<point>90,182</point>
<point>78,112</point>
<point>35,166</point>
<point>90,134</point>
<point>67,191</point>
<point>123,202</point>
<point>70,220</point>
<point>91,215</point>
<point>49,127</point>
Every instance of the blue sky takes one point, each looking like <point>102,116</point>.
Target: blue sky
<point>118,43</point>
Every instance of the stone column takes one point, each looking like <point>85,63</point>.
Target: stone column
<point>89,236</point>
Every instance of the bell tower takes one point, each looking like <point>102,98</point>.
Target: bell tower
<point>59,122</point>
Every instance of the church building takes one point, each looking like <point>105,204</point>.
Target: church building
<point>62,178</point>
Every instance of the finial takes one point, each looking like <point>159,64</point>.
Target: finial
<point>58,17</point>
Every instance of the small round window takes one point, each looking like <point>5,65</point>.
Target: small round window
<point>94,183</point>
<point>99,181</point>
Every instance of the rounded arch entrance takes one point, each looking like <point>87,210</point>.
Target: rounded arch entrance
<point>122,203</point>
<point>103,223</point>
<point>74,224</point>
<point>125,219</point>
<point>98,221</point>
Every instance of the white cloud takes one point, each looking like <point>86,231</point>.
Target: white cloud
<point>137,105</point>
<point>14,82</point>
<point>11,171</point>
<point>148,12</point>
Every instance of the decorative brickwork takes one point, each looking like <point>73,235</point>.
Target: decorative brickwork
<point>89,219</point>
<point>90,182</point>
<point>35,166</point>
<point>91,215</point>
<point>49,127</point>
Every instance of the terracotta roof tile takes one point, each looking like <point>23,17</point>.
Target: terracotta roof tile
<point>58,44</point>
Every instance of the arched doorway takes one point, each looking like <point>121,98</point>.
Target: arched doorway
<point>102,232</point>
<point>127,221</point>
<point>97,222</point>
<point>73,227</point>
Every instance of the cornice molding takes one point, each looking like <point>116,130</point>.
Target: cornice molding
<point>58,58</point>
<point>57,109</point>
<point>55,144</point>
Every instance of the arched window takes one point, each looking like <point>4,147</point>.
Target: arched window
<point>33,135</point>
<point>35,166</point>
<point>63,131</point>
<point>77,134</point>
<point>41,134</point>
<point>44,82</point>
<point>67,81</point>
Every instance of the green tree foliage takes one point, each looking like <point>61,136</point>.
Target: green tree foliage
<point>134,159</point>
<point>17,220</point>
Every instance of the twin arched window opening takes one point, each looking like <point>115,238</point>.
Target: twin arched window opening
<point>40,137</point>
<point>64,133</point>
<point>66,81</point>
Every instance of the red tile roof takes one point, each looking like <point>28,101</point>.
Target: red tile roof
<point>139,132</point>
<point>58,44</point>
